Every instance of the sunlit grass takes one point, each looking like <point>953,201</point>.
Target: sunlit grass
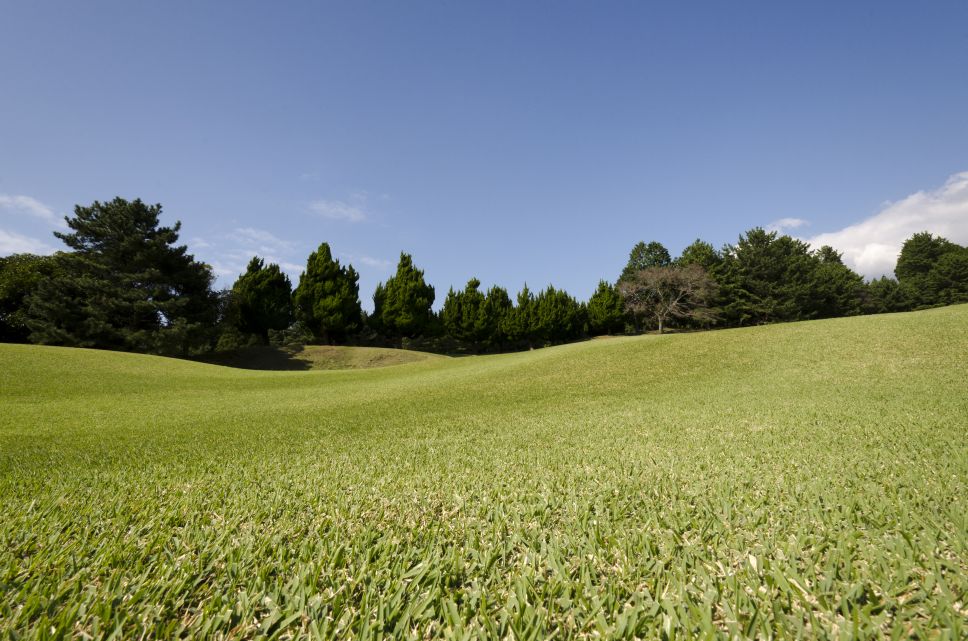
<point>803,480</point>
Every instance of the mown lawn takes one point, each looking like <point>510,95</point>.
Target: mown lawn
<point>803,480</point>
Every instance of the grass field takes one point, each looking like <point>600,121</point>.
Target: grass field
<point>803,480</point>
<point>319,357</point>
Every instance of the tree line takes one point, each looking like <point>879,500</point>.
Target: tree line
<point>125,283</point>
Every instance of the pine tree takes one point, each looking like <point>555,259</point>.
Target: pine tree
<point>327,299</point>
<point>519,323</point>
<point>402,306</point>
<point>261,300</point>
<point>606,310</point>
<point>558,317</point>
<point>494,313</point>
<point>462,315</point>
<point>126,285</point>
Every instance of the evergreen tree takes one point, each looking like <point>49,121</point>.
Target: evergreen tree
<point>327,299</point>
<point>20,275</point>
<point>494,313</point>
<point>701,253</point>
<point>932,270</point>
<point>461,314</point>
<point>950,276</point>
<point>883,295</point>
<point>126,285</point>
<point>606,310</point>
<point>261,300</point>
<point>558,317</point>
<point>402,305</point>
<point>836,290</point>
<point>519,323</point>
<point>643,256</point>
<point>766,278</point>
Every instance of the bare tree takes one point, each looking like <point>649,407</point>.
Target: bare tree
<point>664,293</point>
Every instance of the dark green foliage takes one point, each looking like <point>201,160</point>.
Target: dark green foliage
<point>644,256</point>
<point>933,271</point>
<point>478,321</point>
<point>126,285</point>
<point>701,253</point>
<point>606,311</point>
<point>558,317</point>
<point>766,278</point>
<point>518,326</point>
<point>327,299</point>
<point>835,290</point>
<point>883,295</point>
<point>20,275</point>
<point>261,300</point>
<point>462,314</point>
<point>402,305</point>
<point>950,276</point>
<point>495,312</point>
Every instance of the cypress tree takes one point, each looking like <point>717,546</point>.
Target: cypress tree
<point>606,310</point>
<point>261,300</point>
<point>327,299</point>
<point>402,306</point>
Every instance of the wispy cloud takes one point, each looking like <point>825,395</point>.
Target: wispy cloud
<point>260,240</point>
<point>339,210</point>
<point>13,243</point>
<point>784,224</point>
<point>871,247</point>
<point>26,205</point>
<point>236,248</point>
<point>367,261</point>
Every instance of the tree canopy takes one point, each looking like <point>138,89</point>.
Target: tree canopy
<point>126,285</point>
<point>402,305</point>
<point>261,299</point>
<point>643,256</point>
<point>327,299</point>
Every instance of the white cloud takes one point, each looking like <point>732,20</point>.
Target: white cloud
<point>871,247</point>
<point>31,207</point>
<point>783,224</point>
<point>363,259</point>
<point>339,210</point>
<point>260,240</point>
<point>13,243</point>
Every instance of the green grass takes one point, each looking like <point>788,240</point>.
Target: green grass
<point>319,357</point>
<point>804,480</point>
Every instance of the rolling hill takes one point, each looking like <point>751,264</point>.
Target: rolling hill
<point>807,479</point>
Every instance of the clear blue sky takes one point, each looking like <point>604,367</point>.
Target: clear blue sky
<point>509,141</point>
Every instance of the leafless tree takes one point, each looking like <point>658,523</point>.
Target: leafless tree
<point>664,293</point>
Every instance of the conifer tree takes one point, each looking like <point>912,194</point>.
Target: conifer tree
<point>261,300</point>
<point>606,310</point>
<point>126,285</point>
<point>402,305</point>
<point>327,299</point>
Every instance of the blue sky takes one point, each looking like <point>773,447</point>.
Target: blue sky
<point>516,142</point>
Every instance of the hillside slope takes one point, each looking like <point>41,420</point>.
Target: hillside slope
<point>319,357</point>
<point>802,479</point>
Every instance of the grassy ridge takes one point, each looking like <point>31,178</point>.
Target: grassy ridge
<point>805,480</point>
<point>319,357</point>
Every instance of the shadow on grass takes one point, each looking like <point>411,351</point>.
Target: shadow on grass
<point>260,358</point>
